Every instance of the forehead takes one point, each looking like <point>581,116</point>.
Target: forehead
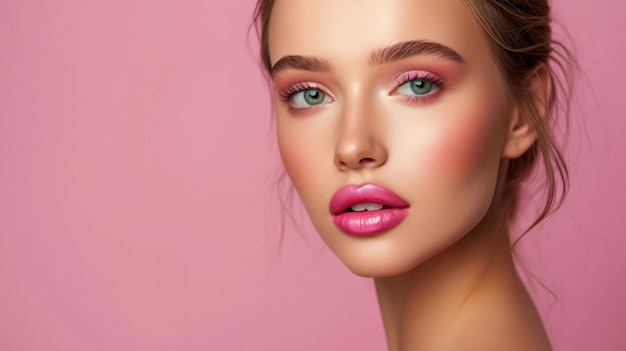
<point>348,30</point>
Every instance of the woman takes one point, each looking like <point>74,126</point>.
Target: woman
<point>406,127</point>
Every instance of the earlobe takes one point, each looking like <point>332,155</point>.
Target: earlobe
<point>530,111</point>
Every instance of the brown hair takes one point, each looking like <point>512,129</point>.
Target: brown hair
<point>520,35</point>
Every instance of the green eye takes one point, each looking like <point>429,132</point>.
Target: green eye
<point>313,96</point>
<point>421,86</point>
<point>308,98</point>
<point>418,85</point>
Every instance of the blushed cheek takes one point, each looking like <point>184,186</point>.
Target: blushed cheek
<point>469,149</point>
<point>296,161</point>
<point>304,162</point>
<point>470,141</point>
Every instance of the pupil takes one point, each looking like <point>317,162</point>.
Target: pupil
<point>421,86</point>
<point>313,97</point>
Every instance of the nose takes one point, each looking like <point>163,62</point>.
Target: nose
<point>359,145</point>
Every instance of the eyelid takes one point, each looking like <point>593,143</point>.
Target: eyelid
<point>297,87</point>
<point>286,94</point>
<point>406,77</point>
<point>418,74</point>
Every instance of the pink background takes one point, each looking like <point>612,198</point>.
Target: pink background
<point>137,206</point>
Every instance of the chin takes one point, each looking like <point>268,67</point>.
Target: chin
<point>379,269</point>
<point>380,265</point>
<point>376,272</point>
<point>401,251</point>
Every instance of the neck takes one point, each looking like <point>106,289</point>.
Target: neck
<point>468,295</point>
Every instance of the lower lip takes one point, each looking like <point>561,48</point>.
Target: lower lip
<point>370,222</point>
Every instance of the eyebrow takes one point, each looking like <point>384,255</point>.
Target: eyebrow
<point>406,49</point>
<point>298,62</point>
<point>388,54</point>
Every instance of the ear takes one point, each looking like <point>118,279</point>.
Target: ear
<point>522,132</point>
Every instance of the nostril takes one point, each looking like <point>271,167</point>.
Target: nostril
<point>361,163</point>
<point>359,156</point>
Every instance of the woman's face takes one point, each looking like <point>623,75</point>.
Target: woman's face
<point>388,103</point>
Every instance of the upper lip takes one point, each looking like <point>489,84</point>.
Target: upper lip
<point>354,194</point>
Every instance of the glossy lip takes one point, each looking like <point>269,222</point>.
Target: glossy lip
<point>367,222</point>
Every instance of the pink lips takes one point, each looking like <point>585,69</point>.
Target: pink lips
<point>367,222</point>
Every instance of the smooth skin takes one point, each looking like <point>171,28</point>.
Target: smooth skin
<point>435,126</point>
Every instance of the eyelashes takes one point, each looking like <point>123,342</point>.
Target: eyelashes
<point>416,86</point>
<point>304,95</point>
<point>295,88</point>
